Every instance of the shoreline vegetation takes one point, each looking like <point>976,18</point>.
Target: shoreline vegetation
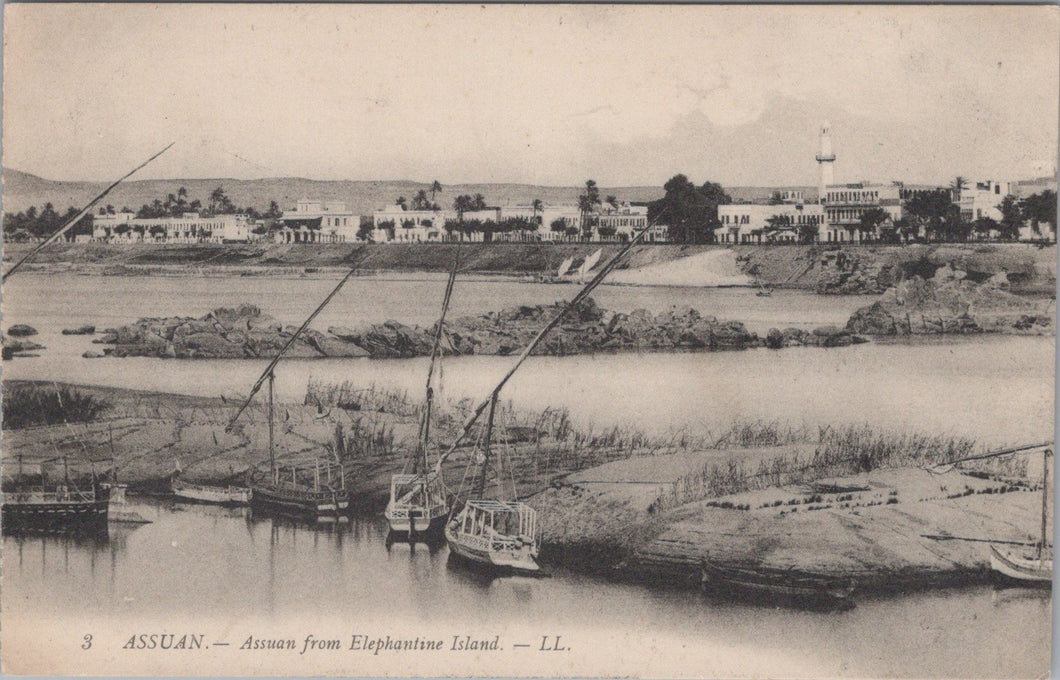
<point>822,268</point>
<point>890,510</point>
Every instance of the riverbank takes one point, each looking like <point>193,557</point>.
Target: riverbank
<point>825,269</point>
<point>615,502</point>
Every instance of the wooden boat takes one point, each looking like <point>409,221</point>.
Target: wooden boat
<point>778,587</point>
<point>499,532</point>
<point>1026,569</point>
<point>59,506</point>
<point>418,502</point>
<point>310,488</point>
<point>206,493</point>
<point>1020,568</point>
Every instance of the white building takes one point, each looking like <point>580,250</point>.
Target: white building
<point>844,204</point>
<point>125,227</point>
<point>318,222</point>
<point>763,223</point>
<point>981,199</point>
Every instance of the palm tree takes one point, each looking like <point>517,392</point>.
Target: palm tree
<point>537,207</point>
<point>436,186</point>
<point>958,185</point>
<point>401,202</point>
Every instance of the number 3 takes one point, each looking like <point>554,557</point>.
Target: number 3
<point>87,643</point>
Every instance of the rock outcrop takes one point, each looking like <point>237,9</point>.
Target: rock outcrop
<point>21,330</point>
<point>13,347</point>
<point>87,329</point>
<point>245,332</point>
<point>952,303</point>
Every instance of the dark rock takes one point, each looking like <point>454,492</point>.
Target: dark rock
<point>92,355</point>
<point>951,303</point>
<point>21,330</point>
<point>80,330</point>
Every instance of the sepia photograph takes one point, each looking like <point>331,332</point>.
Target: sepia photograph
<point>551,341</point>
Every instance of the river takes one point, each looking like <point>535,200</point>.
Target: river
<point>233,575</point>
<point>245,575</point>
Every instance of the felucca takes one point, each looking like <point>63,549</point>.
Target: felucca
<point>1034,569</point>
<point>499,532</point>
<point>316,487</point>
<point>418,505</point>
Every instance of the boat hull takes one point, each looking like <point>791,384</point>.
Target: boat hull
<point>57,516</point>
<point>217,495</point>
<point>416,526</point>
<point>490,560</point>
<point>1009,569</point>
<point>298,502</point>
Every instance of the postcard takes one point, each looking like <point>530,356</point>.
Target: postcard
<point>654,341</point>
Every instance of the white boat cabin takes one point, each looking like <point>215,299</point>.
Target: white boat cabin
<point>500,525</point>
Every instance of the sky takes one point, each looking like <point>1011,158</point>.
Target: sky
<point>550,95</point>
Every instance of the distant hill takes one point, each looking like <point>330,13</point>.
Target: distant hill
<point>22,190</point>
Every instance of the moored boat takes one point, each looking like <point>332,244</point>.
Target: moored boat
<point>418,504</point>
<point>60,506</point>
<point>499,532</point>
<point>207,493</point>
<point>1023,569</point>
<point>1010,567</point>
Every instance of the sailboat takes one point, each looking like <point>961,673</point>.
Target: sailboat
<point>564,267</point>
<point>316,487</point>
<point>494,532</point>
<point>588,264</point>
<point>418,503</point>
<point>1035,569</point>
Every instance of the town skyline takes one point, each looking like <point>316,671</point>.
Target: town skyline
<point>920,95</point>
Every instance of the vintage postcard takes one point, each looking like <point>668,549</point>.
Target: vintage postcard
<point>528,341</point>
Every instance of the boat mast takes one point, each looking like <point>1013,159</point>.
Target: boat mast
<point>1045,504</point>
<point>425,424</point>
<point>480,481</point>
<point>272,450</point>
<point>469,423</point>
<point>283,350</point>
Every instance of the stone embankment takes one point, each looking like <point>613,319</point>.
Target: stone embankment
<point>246,332</point>
<point>951,302</point>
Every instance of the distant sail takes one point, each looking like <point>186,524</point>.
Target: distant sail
<point>590,262</point>
<point>564,267</point>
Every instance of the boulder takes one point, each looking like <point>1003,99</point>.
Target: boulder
<point>80,330</point>
<point>21,330</point>
<point>206,346</point>
<point>92,355</point>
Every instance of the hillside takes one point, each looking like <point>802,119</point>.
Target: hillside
<point>22,190</point>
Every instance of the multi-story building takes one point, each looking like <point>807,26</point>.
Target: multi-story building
<point>844,205</point>
<point>125,227</point>
<point>981,199</point>
<point>318,222</point>
<point>764,223</point>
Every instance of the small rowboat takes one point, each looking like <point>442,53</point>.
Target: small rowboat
<point>779,587</point>
<point>205,493</point>
<point>1026,570</point>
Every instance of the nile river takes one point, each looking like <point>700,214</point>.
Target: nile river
<point>236,575</point>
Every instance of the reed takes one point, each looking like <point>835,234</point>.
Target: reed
<point>30,405</point>
<point>838,451</point>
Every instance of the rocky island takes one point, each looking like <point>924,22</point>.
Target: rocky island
<point>246,332</point>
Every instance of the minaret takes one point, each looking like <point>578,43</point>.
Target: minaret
<point>825,159</point>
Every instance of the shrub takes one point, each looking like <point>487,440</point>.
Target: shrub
<point>29,405</point>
